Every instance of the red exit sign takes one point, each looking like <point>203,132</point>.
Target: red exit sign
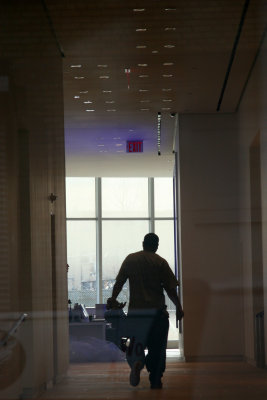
<point>134,146</point>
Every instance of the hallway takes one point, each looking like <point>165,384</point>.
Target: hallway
<point>183,381</point>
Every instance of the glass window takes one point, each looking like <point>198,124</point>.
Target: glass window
<point>165,232</point>
<point>124,197</point>
<point>163,188</point>
<point>120,238</point>
<point>81,246</point>
<point>80,197</point>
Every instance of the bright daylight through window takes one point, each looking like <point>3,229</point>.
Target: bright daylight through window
<point>107,219</point>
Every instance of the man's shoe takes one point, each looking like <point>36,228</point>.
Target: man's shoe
<point>156,385</point>
<point>135,373</point>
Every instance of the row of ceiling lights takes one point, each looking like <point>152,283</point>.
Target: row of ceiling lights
<point>140,90</point>
<point>169,46</point>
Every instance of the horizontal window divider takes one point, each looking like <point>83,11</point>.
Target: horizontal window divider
<point>126,219</point>
<point>122,219</point>
<point>163,218</point>
<point>81,219</point>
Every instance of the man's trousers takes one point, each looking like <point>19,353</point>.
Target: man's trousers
<point>148,329</point>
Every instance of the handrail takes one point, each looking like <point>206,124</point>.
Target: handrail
<point>14,328</point>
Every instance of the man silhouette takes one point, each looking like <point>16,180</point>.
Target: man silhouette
<point>147,319</point>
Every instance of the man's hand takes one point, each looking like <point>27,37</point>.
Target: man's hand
<point>179,315</point>
<point>113,304</point>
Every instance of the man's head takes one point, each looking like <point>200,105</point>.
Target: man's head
<point>151,242</point>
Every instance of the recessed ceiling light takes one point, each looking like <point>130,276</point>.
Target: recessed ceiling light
<point>118,144</point>
<point>170,9</point>
<point>142,65</point>
<point>169,46</point>
<point>84,91</point>
<point>139,9</point>
<point>167,75</point>
<point>87,102</point>
<point>144,109</point>
<point>76,97</point>
<point>143,76</point>
<point>141,46</point>
<point>131,130</point>
<point>111,110</point>
<point>100,145</point>
<point>116,138</point>
<point>166,89</point>
<point>143,90</point>
<point>106,91</point>
<point>76,66</point>
<point>170,28</point>
<point>102,65</point>
<point>165,108</point>
<point>104,77</point>
<point>168,63</point>
<point>167,100</point>
<point>110,102</point>
<point>141,29</point>
<point>90,110</point>
<point>79,77</point>
<point>154,51</point>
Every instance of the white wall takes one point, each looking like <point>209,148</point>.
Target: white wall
<point>212,275</point>
<point>252,119</point>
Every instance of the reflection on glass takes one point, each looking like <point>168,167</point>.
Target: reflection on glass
<point>81,245</point>
<point>163,188</point>
<point>120,238</point>
<point>124,197</point>
<point>80,197</point>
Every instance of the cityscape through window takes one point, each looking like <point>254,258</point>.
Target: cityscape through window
<point>107,219</point>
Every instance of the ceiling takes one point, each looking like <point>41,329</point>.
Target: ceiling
<point>181,56</point>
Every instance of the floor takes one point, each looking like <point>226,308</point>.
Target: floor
<point>182,381</point>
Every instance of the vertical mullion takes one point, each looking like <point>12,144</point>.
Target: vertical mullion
<point>151,205</point>
<point>98,193</point>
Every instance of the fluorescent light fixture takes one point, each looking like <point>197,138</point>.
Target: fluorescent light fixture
<point>159,132</point>
<point>76,66</point>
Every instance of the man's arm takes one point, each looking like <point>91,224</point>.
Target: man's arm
<point>121,278</point>
<point>116,289</point>
<point>172,294</point>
